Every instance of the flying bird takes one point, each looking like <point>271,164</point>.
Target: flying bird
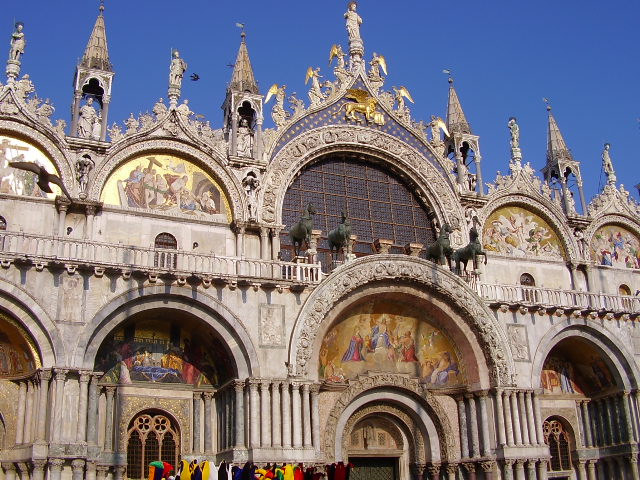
<point>195,77</point>
<point>239,25</point>
<point>44,177</point>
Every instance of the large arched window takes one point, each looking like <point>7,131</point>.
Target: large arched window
<point>379,203</point>
<point>151,436</point>
<point>557,438</point>
<point>165,241</point>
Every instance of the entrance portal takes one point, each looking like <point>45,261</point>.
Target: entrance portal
<point>374,468</point>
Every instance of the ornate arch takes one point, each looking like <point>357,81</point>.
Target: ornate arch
<point>208,309</point>
<point>626,369</point>
<point>418,400</point>
<point>548,212</point>
<point>349,277</point>
<point>209,161</point>
<point>610,219</point>
<point>23,307</point>
<point>302,150</point>
<point>47,142</point>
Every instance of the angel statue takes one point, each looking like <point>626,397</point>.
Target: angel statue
<point>278,113</point>
<point>353,22</point>
<point>377,62</point>
<point>336,52</point>
<point>400,94</point>
<point>437,125</point>
<point>315,93</point>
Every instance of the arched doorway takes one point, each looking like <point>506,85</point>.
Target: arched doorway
<point>151,436</point>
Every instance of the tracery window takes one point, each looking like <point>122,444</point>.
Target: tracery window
<point>378,202</point>
<point>151,437</point>
<point>165,241</point>
<point>557,438</point>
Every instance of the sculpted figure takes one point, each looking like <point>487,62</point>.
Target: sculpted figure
<point>84,165</point>
<point>315,92</point>
<point>96,129</point>
<point>607,164</point>
<point>18,42</point>
<point>24,87</point>
<point>159,109</point>
<point>176,72</point>
<point>278,113</point>
<point>245,139</point>
<point>515,132</point>
<point>353,22</point>
<point>86,119</point>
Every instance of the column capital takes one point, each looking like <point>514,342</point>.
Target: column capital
<point>45,375</point>
<point>482,393</point>
<point>295,385</point>
<point>110,391</point>
<point>470,467</point>
<point>314,388</point>
<point>197,395</point>
<point>9,466</point>
<point>207,396</point>
<point>253,384</point>
<point>591,464</point>
<point>509,461</point>
<point>264,385</point>
<point>434,469</point>
<point>61,374</point>
<point>85,376</point>
<point>451,469</point>
<point>305,387</point>
<point>77,464</point>
<point>469,396</point>
<point>56,463</point>
<point>102,469</point>
<point>39,463</point>
<point>488,466</point>
<point>238,386</point>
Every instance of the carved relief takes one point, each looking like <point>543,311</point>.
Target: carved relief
<point>272,332</point>
<point>519,342</point>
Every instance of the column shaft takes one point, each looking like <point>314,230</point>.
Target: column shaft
<point>296,421</point>
<point>41,432</point>
<point>22,401</point>
<point>315,418</point>
<point>462,419</point>
<point>531,425</point>
<point>286,415</point>
<point>265,403</point>
<point>208,396</point>
<point>92,411</point>
<point>499,415</point>
<point>484,425</point>
<point>81,431</point>
<point>306,416</point>
<point>239,415</point>
<point>57,429</point>
<point>108,431</point>
<point>473,423</point>
<point>195,448</point>
<point>507,418</point>
<point>276,430</point>
<point>515,414</point>
<point>586,423</point>
<point>538,418</point>
<point>523,418</point>
<point>254,413</point>
<point>542,469</point>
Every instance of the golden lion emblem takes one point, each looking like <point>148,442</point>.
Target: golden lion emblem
<point>364,104</point>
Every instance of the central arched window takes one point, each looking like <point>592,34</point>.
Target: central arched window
<point>378,202</point>
<point>151,436</point>
<point>557,438</point>
<point>165,241</point>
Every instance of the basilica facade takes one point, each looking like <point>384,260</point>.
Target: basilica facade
<point>343,287</point>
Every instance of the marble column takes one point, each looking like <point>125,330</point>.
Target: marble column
<point>499,416</point>
<point>515,415</point>
<point>62,220</point>
<point>452,470</point>
<point>633,466</point>
<point>92,411</point>
<point>462,420</point>
<point>507,417</point>
<point>254,414</point>
<point>306,416</point>
<point>636,413</point>
<point>620,461</point>
<point>208,431</point>
<point>484,424</point>
<point>470,467</point>
<point>507,469</point>
<point>41,431</point>
<point>626,420</point>
<point>27,436</point>
<point>37,468</point>
<point>591,470</point>
<point>91,471</point>
<point>473,423</point>
<point>239,415</point>
<point>101,472</point>
<point>596,420</point>
<point>275,243</point>
<point>195,447</point>
<point>118,472</point>
<point>531,469</point>
<point>523,418</point>
<point>60,377</point>
<point>9,471</point>
<point>81,431</point>
<point>537,417</point>
<point>108,431</point>
<point>434,472</point>
<point>531,424</point>
<point>296,421</point>
<point>488,468</point>
<point>90,211</point>
<point>315,417</point>
<point>286,415</point>
<point>22,401</point>
<point>586,422</point>
<point>520,469</point>
<point>580,468</point>
<point>542,469</point>
<point>276,430</point>
<point>77,469</point>
<point>264,243</point>
<point>617,420</point>
<point>607,420</point>
<point>55,468</point>
<point>265,420</point>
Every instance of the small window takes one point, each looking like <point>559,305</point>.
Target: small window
<point>3,223</point>
<point>624,290</point>
<point>527,280</point>
<point>557,438</point>
<point>166,241</point>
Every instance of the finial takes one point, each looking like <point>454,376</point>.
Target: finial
<point>101,8</point>
<point>448,72</point>
<point>546,101</point>
<point>242,34</point>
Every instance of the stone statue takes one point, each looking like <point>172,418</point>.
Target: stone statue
<point>607,165</point>
<point>159,109</point>
<point>377,62</point>
<point>515,132</point>
<point>132,124</point>
<point>183,109</point>
<point>96,129</point>
<point>84,165</point>
<point>579,235</point>
<point>60,126</point>
<point>24,87</point>
<point>315,92</point>
<point>18,43</point>
<point>86,119</point>
<point>251,183</point>
<point>297,104</point>
<point>176,72</point>
<point>245,139</point>
<point>353,22</point>
<point>278,113</point>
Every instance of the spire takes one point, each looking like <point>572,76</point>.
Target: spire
<point>242,78</point>
<point>557,150</point>
<point>456,119</point>
<point>96,55</point>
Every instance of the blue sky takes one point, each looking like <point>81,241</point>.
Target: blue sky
<point>505,57</point>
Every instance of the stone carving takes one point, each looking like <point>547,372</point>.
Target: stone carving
<point>87,118</point>
<point>159,109</point>
<point>176,70</point>
<point>251,184</point>
<point>297,105</point>
<point>24,87</point>
<point>607,165</point>
<point>18,42</point>
<point>316,95</point>
<point>362,271</point>
<point>272,329</point>
<point>353,22</point>
<point>613,200</point>
<point>132,125</point>
<point>582,243</point>
<point>184,110</point>
<point>278,113</point>
<point>60,127</point>
<point>514,129</point>
<point>84,165</point>
<point>519,343</point>
<point>244,146</point>
<point>115,133</point>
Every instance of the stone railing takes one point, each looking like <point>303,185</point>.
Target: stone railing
<point>40,249</point>
<point>549,297</point>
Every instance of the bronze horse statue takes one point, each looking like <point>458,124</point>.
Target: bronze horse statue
<point>440,251</point>
<point>339,236</point>
<point>301,231</point>
<point>470,252</point>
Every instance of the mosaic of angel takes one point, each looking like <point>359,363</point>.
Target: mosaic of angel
<point>164,183</point>
<point>19,181</point>
<point>518,232</point>
<point>388,336</point>
<point>616,247</point>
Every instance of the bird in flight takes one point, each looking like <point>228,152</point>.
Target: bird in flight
<point>44,177</point>
<point>195,77</point>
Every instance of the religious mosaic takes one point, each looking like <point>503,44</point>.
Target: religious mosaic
<point>158,351</point>
<point>389,336</point>
<point>19,181</point>
<point>580,371</point>
<point>616,247</point>
<point>18,356</point>
<point>166,183</point>
<point>520,233</point>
